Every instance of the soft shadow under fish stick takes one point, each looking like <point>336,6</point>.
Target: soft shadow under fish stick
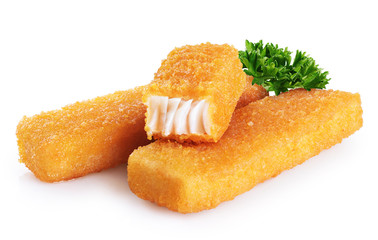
<point>263,139</point>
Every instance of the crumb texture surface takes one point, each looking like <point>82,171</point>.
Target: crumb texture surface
<point>251,93</point>
<point>88,136</point>
<point>264,138</point>
<point>83,137</point>
<point>208,72</point>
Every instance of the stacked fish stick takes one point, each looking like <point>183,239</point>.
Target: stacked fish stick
<point>90,136</point>
<point>194,93</point>
<point>200,133</point>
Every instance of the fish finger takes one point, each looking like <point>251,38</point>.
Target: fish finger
<point>264,138</point>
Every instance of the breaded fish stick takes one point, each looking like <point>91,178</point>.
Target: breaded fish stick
<point>263,139</point>
<point>251,93</point>
<point>194,93</point>
<point>84,137</point>
<point>90,136</point>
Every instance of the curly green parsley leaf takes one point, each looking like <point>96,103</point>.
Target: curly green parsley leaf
<point>271,67</point>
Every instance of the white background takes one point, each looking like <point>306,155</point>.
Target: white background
<point>57,52</point>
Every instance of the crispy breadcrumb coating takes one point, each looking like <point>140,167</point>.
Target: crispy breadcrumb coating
<point>264,138</point>
<point>89,136</point>
<point>207,72</point>
<point>83,137</point>
<point>251,93</point>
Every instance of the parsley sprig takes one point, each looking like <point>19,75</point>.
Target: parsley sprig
<point>271,67</point>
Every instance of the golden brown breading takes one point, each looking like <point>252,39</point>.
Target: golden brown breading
<point>208,72</point>
<point>264,138</point>
<point>89,136</point>
<point>251,93</point>
<point>83,137</point>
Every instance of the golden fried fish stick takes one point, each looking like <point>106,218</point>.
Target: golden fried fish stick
<point>263,139</point>
<point>84,137</point>
<point>251,93</point>
<point>90,136</point>
<point>194,93</point>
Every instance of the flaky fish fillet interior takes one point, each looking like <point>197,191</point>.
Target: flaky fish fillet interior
<point>194,93</point>
<point>92,135</point>
<point>264,138</point>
